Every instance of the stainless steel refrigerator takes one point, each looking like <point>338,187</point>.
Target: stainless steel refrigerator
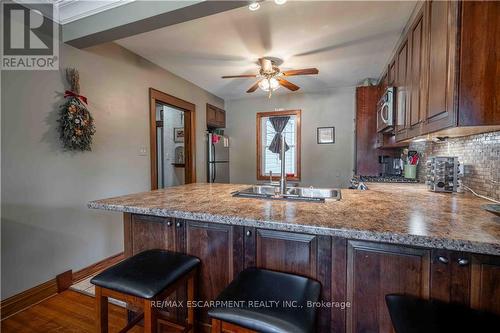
<point>218,158</point>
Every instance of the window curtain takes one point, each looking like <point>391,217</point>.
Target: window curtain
<point>279,124</point>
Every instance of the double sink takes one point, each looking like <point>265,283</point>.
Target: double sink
<point>291,193</point>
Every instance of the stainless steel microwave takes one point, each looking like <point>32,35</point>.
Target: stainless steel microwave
<point>385,111</point>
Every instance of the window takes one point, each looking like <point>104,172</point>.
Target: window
<point>268,161</point>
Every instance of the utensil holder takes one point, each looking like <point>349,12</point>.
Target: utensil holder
<point>410,171</point>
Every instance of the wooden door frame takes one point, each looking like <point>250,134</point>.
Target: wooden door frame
<point>189,110</point>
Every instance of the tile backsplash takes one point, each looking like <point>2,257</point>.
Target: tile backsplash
<point>479,154</point>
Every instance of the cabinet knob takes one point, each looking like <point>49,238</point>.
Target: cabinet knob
<point>178,224</point>
<point>169,223</point>
<point>443,260</point>
<point>463,262</point>
<point>249,233</point>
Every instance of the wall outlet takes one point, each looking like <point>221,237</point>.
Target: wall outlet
<point>143,151</point>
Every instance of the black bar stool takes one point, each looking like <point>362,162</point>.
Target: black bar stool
<point>140,281</point>
<point>410,314</point>
<point>266,301</point>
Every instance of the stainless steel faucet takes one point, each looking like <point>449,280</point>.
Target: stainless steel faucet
<point>283,173</point>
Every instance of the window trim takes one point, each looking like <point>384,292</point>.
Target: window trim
<point>260,115</point>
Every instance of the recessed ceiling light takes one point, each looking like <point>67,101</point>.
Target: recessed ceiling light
<point>254,6</point>
<point>280,2</point>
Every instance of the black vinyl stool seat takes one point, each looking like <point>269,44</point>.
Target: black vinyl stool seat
<point>142,280</point>
<point>146,274</point>
<point>254,288</point>
<point>410,314</point>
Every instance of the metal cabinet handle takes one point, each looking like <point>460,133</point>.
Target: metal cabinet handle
<point>444,260</point>
<point>169,223</point>
<point>178,224</point>
<point>463,262</point>
<point>249,233</point>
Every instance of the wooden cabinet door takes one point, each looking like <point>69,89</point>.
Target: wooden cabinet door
<point>401,92</point>
<point>450,276</point>
<point>220,249</point>
<point>485,283</point>
<point>442,41</point>
<point>220,118</point>
<point>416,77</point>
<point>375,270</point>
<point>366,131</point>
<point>286,252</point>
<point>306,255</point>
<point>391,73</point>
<point>211,116</point>
<point>216,117</point>
<point>479,97</point>
<point>152,232</point>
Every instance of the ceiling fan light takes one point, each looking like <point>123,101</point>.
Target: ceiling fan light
<point>273,84</point>
<point>269,84</point>
<point>280,2</point>
<point>264,85</point>
<point>254,6</point>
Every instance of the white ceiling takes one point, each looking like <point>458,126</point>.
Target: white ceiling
<point>346,41</point>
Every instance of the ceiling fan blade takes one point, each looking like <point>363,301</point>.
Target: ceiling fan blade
<point>237,76</point>
<point>287,84</point>
<point>254,87</point>
<point>305,71</point>
<point>266,64</point>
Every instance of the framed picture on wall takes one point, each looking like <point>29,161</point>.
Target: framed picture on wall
<point>325,135</point>
<point>178,134</point>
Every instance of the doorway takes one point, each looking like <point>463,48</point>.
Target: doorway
<point>172,137</point>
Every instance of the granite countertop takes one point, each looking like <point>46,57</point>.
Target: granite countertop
<point>394,213</point>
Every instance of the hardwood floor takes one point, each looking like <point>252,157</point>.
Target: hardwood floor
<point>68,311</point>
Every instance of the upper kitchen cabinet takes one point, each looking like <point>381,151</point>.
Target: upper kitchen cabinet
<point>415,112</point>
<point>442,40</point>
<point>400,83</point>
<point>216,117</point>
<point>446,72</point>
<point>479,64</point>
<point>464,66</point>
<point>391,73</point>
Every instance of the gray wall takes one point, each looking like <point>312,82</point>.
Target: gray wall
<point>46,227</point>
<point>322,165</point>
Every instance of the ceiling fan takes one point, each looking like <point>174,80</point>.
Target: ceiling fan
<point>271,78</point>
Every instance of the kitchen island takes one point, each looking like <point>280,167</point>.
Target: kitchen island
<point>391,238</point>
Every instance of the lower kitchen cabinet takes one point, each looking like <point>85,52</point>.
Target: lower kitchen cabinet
<point>220,249</point>
<point>286,252</point>
<point>450,276</point>
<point>375,270</point>
<point>152,232</point>
<point>296,253</point>
<point>358,272</point>
<point>485,283</point>
<point>145,232</point>
<point>469,279</point>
